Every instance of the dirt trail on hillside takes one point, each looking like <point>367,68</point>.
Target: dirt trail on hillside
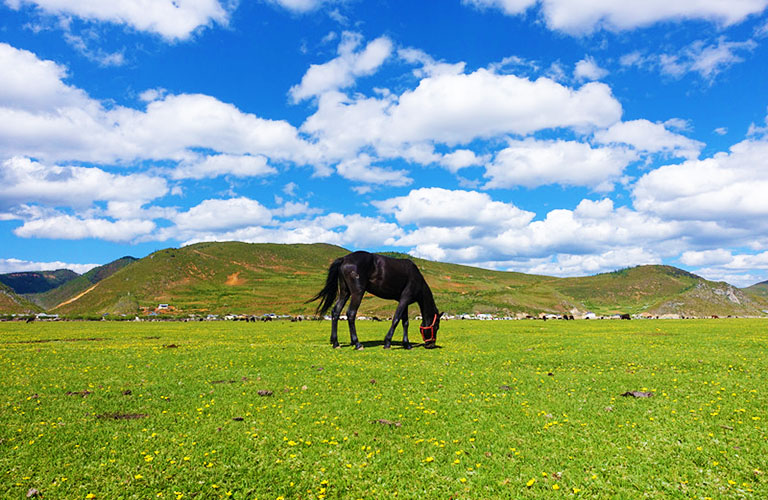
<point>75,297</point>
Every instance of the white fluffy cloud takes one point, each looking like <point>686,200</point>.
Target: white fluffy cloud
<point>510,7</point>
<point>649,137</point>
<point>723,265</point>
<point>451,208</point>
<point>68,227</point>
<point>706,257</point>
<point>342,71</point>
<point>470,227</point>
<point>588,69</point>
<point>455,109</point>
<point>533,163</point>
<point>19,265</point>
<point>25,181</point>
<point>223,214</point>
<point>300,6</point>
<point>579,17</point>
<point>460,158</point>
<point>171,19</point>
<point>31,84</point>
<point>223,164</point>
<point>729,187</point>
<point>347,230</point>
<point>43,117</point>
<point>360,169</point>
<point>580,265</point>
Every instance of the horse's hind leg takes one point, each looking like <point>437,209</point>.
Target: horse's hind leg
<point>354,304</point>
<point>336,312</point>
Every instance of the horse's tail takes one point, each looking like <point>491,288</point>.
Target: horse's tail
<point>328,294</point>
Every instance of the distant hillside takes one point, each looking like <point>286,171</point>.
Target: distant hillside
<point>11,303</point>
<point>213,278</point>
<point>659,290</point>
<point>52,298</point>
<point>758,290</point>
<point>234,277</point>
<point>37,281</point>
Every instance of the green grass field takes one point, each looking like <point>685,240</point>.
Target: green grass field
<point>519,409</point>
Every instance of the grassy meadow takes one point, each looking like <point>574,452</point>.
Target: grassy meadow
<point>517,409</point>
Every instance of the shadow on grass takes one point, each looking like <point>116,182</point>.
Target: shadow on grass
<point>395,344</point>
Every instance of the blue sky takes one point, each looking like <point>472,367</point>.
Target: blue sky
<point>559,137</point>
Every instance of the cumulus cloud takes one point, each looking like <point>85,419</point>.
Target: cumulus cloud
<point>580,265</point>
<point>728,188</point>
<point>69,227</point>
<point>460,158</point>
<point>24,181</point>
<point>510,7</point>
<point>588,69</point>
<point>706,257</point>
<point>43,117</point>
<point>452,208</point>
<point>19,265</point>
<point>533,163</point>
<point>223,164</point>
<point>31,84</point>
<point>455,109</point>
<point>581,17</point>
<point>649,137</point>
<point>223,214</point>
<point>342,71</point>
<point>354,231</point>
<point>171,19</point>
<point>472,228</point>
<point>360,169</point>
<point>723,265</point>
<point>300,6</point>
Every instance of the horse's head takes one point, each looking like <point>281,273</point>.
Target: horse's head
<point>429,329</point>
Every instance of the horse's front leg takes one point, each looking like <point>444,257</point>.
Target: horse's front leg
<point>354,304</point>
<point>401,313</point>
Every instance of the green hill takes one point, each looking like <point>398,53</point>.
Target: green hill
<point>36,281</point>
<point>212,278</point>
<point>72,288</point>
<point>243,278</point>
<point>11,303</point>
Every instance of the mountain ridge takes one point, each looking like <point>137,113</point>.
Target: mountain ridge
<point>258,278</point>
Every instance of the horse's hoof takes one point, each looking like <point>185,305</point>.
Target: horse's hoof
<point>408,346</point>
<point>358,347</point>
<point>336,346</point>
<point>387,346</point>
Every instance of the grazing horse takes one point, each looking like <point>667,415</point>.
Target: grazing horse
<point>351,276</point>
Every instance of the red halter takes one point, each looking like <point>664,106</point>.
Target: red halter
<point>431,328</point>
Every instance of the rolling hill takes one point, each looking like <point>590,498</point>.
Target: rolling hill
<point>74,287</point>
<point>11,303</point>
<point>37,281</point>
<point>243,278</point>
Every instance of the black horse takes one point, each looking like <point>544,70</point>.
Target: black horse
<point>351,276</point>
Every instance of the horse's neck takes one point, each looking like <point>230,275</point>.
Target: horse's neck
<point>427,304</point>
